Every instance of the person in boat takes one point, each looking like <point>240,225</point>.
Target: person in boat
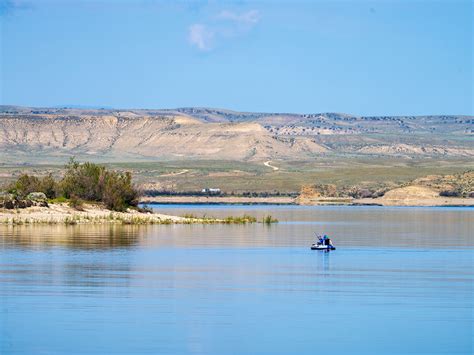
<point>320,240</point>
<point>325,240</point>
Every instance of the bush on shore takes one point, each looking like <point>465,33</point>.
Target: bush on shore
<point>92,182</point>
<point>82,182</point>
<point>27,184</point>
<point>269,219</point>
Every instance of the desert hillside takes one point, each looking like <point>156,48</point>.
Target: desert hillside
<point>431,190</point>
<point>28,133</point>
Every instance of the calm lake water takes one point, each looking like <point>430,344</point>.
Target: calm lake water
<point>401,281</point>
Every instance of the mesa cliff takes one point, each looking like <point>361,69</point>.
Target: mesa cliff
<point>128,135</point>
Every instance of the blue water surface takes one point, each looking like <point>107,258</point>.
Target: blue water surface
<point>255,289</point>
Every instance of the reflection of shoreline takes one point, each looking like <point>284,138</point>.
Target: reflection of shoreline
<point>74,237</point>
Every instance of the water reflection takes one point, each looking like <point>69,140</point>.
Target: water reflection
<point>348,226</point>
<point>73,237</point>
<point>353,226</point>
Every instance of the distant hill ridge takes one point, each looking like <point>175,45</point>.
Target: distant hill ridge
<point>205,133</point>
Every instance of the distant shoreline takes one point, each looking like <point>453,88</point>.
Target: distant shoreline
<point>92,214</point>
<point>216,200</point>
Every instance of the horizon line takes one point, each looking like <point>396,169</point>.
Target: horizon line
<point>112,108</point>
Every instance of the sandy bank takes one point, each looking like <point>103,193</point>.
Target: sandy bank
<point>416,196</point>
<point>61,213</point>
<point>435,202</point>
<point>412,202</point>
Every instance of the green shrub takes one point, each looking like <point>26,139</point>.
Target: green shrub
<point>60,199</point>
<point>92,182</point>
<point>24,185</point>
<point>48,186</point>
<point>118,192</point>
<point>242,220</point>
<point>269,219</point>
<point>82,182</point>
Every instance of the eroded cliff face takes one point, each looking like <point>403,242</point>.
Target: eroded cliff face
<point>145,136</point>
<point>216,134</point>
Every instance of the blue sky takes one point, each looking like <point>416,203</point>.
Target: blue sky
<point>362,57</point>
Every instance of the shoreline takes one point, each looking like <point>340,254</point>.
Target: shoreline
<point>319,201</point>
<point>384,202</point>
<point>217,200</point>
<point>61,213</point>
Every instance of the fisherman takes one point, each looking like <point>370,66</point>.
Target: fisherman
<point>319,238</point>
<point>323,243</point>
<point>320,242</point>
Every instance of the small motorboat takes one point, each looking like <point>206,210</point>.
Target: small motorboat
<point>323,243</point>
<point>319,246</point>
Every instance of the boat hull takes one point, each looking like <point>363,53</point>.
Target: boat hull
<point>322,247</point>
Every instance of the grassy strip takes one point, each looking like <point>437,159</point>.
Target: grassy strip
<point>117,218</point>
<point>234,220</point>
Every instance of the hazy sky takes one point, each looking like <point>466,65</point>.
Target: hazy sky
<point>372,58</point>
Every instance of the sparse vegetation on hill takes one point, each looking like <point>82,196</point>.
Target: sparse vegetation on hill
<point>416,192</point>
<point>344,191</point>
<point>456,185</point>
